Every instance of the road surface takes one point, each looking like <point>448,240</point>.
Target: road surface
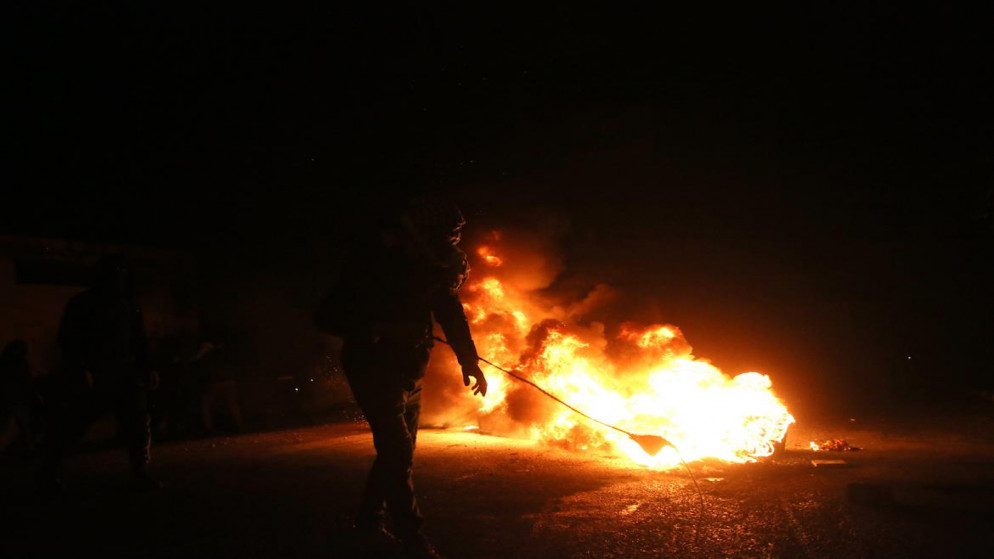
<point>291,494</point>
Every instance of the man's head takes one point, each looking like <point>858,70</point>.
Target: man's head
<point>434,227</point>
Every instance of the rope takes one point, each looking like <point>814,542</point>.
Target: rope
<point>543,391</point>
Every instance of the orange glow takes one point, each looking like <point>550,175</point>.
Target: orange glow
<point>488,256</point>
<point>650,383</point>
<point>652,337</point>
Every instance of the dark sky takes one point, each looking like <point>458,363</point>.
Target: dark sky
<point>804,191</point>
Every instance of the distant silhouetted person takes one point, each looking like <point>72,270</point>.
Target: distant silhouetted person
<point>217,374</point>
<point>105,367</point>
<point>382,307</point>
<point>17,396</point>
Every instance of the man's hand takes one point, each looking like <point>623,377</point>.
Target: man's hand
<point>480,387</point>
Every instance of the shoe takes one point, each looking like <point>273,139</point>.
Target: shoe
<point>419,547</point>
<point>375,538</point>
<point>142,482</point>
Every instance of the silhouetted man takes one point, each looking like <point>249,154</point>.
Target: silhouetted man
<point>105,367</point>
<point>17,395</point>
<point>382,308</point>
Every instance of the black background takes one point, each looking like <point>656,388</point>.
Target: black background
<point>805,190</point>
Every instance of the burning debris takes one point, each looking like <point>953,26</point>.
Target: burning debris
<point>829,463</point>
<point>835,445</point>
<point>651,444</point>
<point>643,379</point>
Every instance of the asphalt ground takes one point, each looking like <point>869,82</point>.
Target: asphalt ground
<point>291,493</point>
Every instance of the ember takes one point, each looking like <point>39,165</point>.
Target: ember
<point>644,379</point>
<point>837,445</point>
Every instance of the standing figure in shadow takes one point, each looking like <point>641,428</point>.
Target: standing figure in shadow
<point>105,368</point>
<point>18,397</point>
<point>382,307</point>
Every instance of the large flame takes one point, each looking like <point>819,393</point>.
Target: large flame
<point>644,380</point>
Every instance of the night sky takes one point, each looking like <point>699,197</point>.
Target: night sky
<point>807,192</point>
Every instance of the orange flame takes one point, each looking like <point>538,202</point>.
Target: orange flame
<point>655,336</point>
<point>488,256</point>
<point>651,383</point>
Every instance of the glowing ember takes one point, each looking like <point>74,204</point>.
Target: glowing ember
<point>838,445</point>
<point>644,379</point>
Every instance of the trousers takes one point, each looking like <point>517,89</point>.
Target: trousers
<point>385,379</point>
